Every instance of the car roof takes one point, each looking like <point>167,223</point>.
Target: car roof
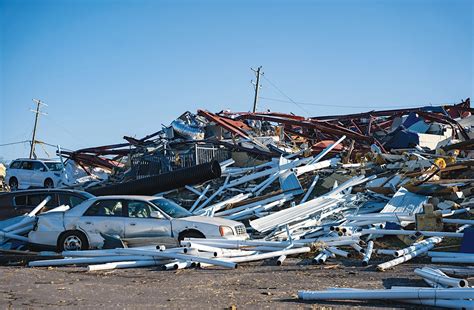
<point>44,190</point>
<point>136,197</point>
<point>39,159</point>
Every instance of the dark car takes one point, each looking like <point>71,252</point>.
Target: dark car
<point>20,202</point>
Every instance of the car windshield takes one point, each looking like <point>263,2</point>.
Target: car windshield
<point>172,209</point>
<point>54,166</point>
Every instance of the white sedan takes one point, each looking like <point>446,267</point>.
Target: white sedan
<point>137,220</point>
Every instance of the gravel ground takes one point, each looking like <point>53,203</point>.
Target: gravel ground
<point>251,286</point>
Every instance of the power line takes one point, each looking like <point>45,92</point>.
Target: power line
<point>55,122</point>
<point>285,95</point>
<point>13,143</point>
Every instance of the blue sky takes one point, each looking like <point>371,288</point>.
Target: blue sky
<point>113,68</point>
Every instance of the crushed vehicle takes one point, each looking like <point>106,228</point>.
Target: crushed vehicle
<point>134,219</point>
<point>20,202</point>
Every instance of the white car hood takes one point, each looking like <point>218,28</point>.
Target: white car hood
<point>210,220</point>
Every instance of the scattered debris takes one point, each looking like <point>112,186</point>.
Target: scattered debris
<point>325,187</point>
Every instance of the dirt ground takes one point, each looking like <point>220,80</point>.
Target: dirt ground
<point>251,286</point>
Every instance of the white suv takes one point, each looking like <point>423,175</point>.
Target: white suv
<point>26,173</point>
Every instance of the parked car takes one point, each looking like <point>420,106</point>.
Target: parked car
<point>20,202</point>
<point>26,173</point>
<point>133,219</point>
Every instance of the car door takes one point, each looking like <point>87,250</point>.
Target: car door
<point>146,222</point>
<point>24,174</point>
<point>38,175</point>
<point>103,216</point>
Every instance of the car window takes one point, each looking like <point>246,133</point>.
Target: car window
<point>171,208</point>
<point>27,165</point>
<point>36,199</point>
<point>69,200</point>
<point>54,166</point>
<point>139,209</point>
<point>105,208</point>
<point>15,165</point>
<point>20,201</point>
<point>38,166</point>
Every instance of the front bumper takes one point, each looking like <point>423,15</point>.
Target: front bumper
<point>236,237</point>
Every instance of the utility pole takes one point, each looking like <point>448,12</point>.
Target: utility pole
<point>257,87</point>
<point>37,112</point>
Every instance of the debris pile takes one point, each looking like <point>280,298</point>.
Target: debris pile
<point>330,186</point>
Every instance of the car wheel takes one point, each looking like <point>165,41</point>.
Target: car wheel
<point>190,234</point>
<point>13,183</point>
<point>48,183</point>
<point>73,241</point>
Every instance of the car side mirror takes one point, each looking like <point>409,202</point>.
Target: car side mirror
<point>156,215</point>
<point>42,169</point>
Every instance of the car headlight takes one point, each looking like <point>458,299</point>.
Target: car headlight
<point>226,231</point>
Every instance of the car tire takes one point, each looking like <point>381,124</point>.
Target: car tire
<point>72,240</point>
<point>190,234</point>
<point>48,183</point>
<point>13,183</point>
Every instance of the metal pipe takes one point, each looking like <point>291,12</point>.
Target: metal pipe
<point>178,265</point>
<point>214,195</point>
<point>416,245</point>
<point>442,279</point>
<point>268,255</point>
<point>407,257</point>
<point>280,260</point>
<point>443,303</point>
<point>339,252</point>
<point>358,248</point>
<point>6,235</point>
<point>86,260</point>
<point>410,232</point>
<point>253,204</point>
<point>203,194</point>
<point>465,272</point>
<point>126,264</point>
<point>39,207</point>
<point>458,221</point>
<point>179,256</point>
<point>327,150</point>
<point>450,254</point>
<point>368,253</point>
<point>310,189</point>
<point>457,260</point>
<point>233,244</point>
<point>413,293</point>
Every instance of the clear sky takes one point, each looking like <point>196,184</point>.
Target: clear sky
<point>113,68</point>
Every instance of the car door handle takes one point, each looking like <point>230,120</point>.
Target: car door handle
<point>133,224</point>
<point>88,223</point>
